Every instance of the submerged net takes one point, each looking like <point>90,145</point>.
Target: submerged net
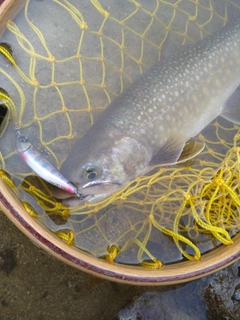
<point>57,88</point>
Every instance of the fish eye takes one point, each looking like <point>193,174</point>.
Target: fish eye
<point>91,171</point>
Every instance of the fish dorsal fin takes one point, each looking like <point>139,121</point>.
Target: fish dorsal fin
<point>231,110</point>
<point>175,150</point>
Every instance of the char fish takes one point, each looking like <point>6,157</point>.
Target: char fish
<point>153,121</point>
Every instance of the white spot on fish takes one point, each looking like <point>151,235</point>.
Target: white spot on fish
<point>228,71</point>
<point>205,90</point>
<point>161,129</point>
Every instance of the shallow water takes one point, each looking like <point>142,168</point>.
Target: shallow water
<point>32,282</point>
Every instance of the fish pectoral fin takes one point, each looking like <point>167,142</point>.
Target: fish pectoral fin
<point>231,110</point>
<point>191,149</point>
<point>176,151</point>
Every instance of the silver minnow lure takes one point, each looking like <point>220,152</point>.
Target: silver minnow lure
<point>42,167</point>
<point>153,122</point>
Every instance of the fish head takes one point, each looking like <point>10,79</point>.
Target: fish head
<point>102,169</point>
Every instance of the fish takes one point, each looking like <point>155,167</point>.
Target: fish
<point>154,122</point>
<point>40,165</point>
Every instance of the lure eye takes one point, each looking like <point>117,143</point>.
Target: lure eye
<point>91,171</point>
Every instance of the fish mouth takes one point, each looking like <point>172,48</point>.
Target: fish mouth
<point>74,201</point>
<point>92,192</point>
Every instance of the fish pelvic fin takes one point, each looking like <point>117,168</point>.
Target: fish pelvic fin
<point>191,149</point>
<point>176,151</point>
<point>231,110</point>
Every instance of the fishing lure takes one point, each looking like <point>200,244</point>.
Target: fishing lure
<point>42,167</point>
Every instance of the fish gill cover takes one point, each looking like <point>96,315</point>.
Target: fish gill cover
<point>63,73</point>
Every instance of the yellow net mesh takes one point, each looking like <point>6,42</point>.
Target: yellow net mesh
<point>56,97</point>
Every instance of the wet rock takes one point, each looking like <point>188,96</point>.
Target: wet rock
<point>173,302</point>
<point>236,293</point>
<point>215,297</point>
<point>222,294</point>
<point>149,306</point>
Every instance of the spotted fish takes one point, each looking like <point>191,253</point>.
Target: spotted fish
<point>153,121</point>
